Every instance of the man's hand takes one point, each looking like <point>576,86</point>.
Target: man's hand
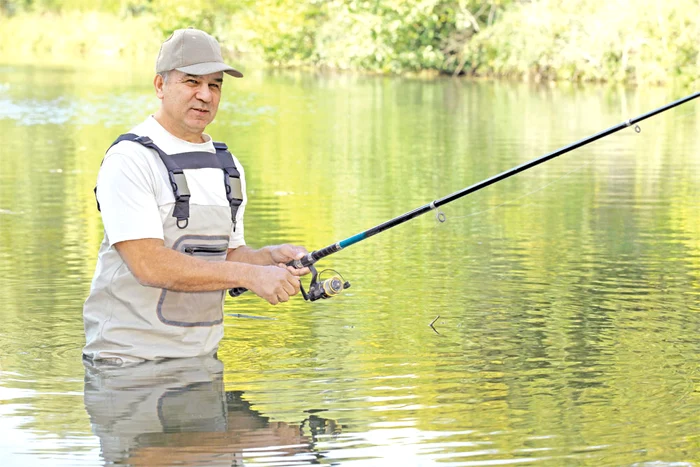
<point>282,254</point>
<point>274,284</point>
<point>270,277</point>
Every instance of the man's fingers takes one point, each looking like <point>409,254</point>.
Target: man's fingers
<point>278,284</point>
<point>283,296</point>
<point>295,252</point>
<point>301,272</point>
<point>296,285</point>
<point>289,287</point>
<point>295,271</point>
<point>286,253</point>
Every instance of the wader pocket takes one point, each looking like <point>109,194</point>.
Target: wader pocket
<point>195,308</point>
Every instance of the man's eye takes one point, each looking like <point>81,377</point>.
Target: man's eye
<point>191,81</point>
<point>215,86</point>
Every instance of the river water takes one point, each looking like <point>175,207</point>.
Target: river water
<point>566,298</point>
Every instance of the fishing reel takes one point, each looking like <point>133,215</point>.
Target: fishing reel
<point>323,288</point>
<point>317,288</point>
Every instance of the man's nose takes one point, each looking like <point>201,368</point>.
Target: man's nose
<point>204,93</point>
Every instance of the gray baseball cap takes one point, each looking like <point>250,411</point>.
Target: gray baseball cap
<point>193,52</point>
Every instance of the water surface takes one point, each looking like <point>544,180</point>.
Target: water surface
<point>567,296</point>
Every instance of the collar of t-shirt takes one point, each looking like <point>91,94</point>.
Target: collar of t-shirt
<point>172,144</point>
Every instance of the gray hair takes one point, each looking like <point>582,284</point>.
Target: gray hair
<point>165,75</point>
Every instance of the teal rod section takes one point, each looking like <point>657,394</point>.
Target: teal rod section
<point>352,240</point>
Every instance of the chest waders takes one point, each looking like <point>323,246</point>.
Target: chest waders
<point>119,307</point>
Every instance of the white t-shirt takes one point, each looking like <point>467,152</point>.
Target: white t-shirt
<point>133,182</point>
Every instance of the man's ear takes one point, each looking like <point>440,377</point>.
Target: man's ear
<point>158,84</point>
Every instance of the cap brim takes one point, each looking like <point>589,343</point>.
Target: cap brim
<point>210,67</point>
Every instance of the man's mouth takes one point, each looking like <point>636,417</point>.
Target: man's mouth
<point>201,111</point>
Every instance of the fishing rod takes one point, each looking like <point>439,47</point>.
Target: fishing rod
<point>327,288</point>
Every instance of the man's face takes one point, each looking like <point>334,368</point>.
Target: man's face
<point>189,103</point>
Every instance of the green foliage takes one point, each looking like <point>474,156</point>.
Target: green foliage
<point>98,39</point>
<point>578,40</point>
<point>586,40</point>
<point>390,36</point>
<point>283,30</point>
<point>11,7</point>
<point>208,15</point>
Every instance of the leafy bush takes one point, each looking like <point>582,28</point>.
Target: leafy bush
<point>638,41</point>
<point>587,40</point>
<point>11,7</point>
<point>391,36</point>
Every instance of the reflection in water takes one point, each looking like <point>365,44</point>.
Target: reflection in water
<point>178,412</point>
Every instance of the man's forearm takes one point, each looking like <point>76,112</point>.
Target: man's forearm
<point>245,254</point>
<point>155,265</point>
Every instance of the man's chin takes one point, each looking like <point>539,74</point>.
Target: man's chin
<point>197,124</point>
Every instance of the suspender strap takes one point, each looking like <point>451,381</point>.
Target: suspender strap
<point>175,163</point>
<point>124,137</point>
<point>178,182</point>
<point>232,180</point>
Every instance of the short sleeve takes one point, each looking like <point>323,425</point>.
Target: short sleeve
<point>237,239</point>
<point>126,193</point>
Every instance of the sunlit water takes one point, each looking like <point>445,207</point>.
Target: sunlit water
<point>567,296</point>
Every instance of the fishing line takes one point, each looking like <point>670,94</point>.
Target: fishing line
<point>441,217</point>
<point>685,114</point>
<point>556,180</point>
<point>333,286</point>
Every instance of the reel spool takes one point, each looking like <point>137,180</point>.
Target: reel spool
<point>323,289</point>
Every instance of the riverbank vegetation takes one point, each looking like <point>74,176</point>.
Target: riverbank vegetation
<point>631,41</point>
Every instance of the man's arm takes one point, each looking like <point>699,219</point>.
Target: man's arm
<point>278,255</point>
<point>155,265</point>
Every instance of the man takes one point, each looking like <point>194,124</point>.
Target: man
<point>172,205</point>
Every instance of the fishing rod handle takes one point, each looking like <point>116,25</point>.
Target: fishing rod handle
<point>304,262</point>
<point>236,291</point>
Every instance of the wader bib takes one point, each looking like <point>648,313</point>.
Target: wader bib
<point>128,321</point>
